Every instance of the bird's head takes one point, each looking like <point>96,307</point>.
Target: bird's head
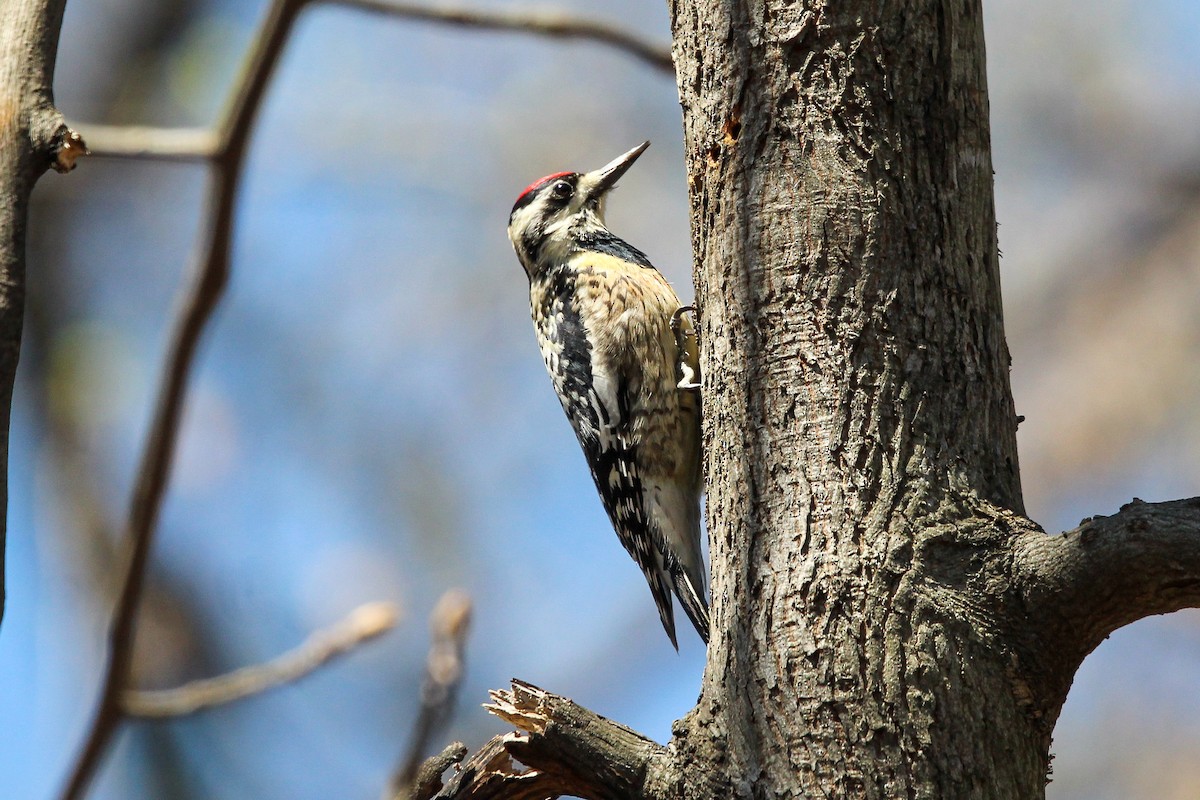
<point>551,214</point>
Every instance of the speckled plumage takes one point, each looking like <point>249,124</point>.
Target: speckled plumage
<point>603,316</point>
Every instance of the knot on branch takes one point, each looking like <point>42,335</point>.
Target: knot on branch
<point>53,143</point>
<point>68,148</point>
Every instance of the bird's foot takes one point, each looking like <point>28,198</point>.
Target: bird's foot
<point>688,380</point>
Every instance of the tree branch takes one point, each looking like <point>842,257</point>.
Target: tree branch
<point>1110,571</point>
<point>364,624</point>
<point>449,622</point>
<point>566,749</point>
<point>429,775</point>
<point>209,280</point>
<point>164,144</point>
<point>491,774</point>
<point>33,138</point>
<point>544,23</point>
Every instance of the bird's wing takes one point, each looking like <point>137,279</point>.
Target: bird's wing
<point>614,463</point>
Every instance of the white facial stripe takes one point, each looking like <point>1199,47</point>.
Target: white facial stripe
<point>551,228</point>
<point>524,218</point>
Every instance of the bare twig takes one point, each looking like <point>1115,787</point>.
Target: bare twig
<point>166,144</point>
<point>364,623</point>
<point>210,277</point>
<point>443,672</point>
<point>540,23</point>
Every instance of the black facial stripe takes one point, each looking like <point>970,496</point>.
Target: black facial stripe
<point>538,189</point>
<point>601,240</point>
<point>522,201</point>
<point>532,239</point>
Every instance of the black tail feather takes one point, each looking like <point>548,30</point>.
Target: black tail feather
<point>692,599</point>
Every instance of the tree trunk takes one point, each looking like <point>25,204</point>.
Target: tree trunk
<point>33,138</point>
<point>841,185</point>
<point>886,621</point>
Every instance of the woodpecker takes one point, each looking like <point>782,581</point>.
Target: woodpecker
<point>621,353</point>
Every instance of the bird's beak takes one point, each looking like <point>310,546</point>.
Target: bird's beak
<point>605,178</point>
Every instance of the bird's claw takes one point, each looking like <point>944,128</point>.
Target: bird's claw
<point>688,380</point>
<point>677,316</point>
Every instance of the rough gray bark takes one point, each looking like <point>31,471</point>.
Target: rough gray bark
<point>33,138</point>
<point>847,271</point>
<point>886,621</point>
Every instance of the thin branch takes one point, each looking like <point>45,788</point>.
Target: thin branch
<point>541,23</point>
<point>364,623</point>
<point>165,144</point>
<point>210,278</point>
<point>565,749</point>
<point>449,623</point>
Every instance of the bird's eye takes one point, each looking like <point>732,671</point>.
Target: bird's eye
<point>561,190</point>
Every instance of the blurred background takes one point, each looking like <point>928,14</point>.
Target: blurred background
<point>371,420</point>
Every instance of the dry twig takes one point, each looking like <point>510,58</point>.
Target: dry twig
<point>540,23</point>
<point>172,144</point>
<point>365,623</point>
<point>428,780</point>
<point>163,144</point>
<point>449,622</point>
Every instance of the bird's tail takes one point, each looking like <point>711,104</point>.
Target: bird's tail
<point>677,513</point>
<point>691,597</point>
<point>666,612</point>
